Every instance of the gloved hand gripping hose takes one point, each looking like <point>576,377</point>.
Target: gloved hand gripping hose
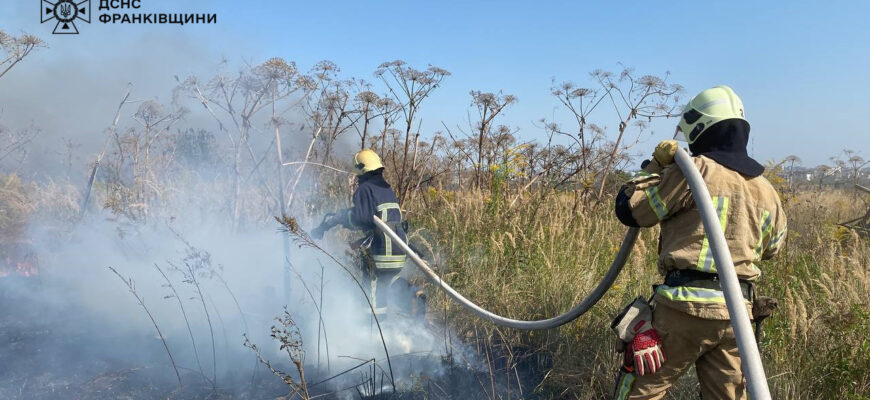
<point>572,314</point>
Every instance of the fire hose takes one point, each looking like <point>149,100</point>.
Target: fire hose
<point>746,344</point>
<point>750,357</point>
<point>572,314</point>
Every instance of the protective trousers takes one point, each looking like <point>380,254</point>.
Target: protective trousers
<point>381,283</point>
<point>708,344</point>
<point>382,287</point>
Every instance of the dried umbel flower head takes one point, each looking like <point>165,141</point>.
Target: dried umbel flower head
<point>395,64</point>
<point>276,69</point>
<point>334,98</point>
<point>491,101</point>
<point>367,97</point>
<point>483,99</point>
<point>306,82</point>
<point>30,40</point>
<point>504,133</point>
<point>601,74</point>
<point>561,89</point>
<point>18,47</point>
<point>386,104</point>
<point>149,111</point>
<point>438,72</point>
<point>414,75</point>
<point>651,81</point>
<point>626,73</point>
<point>324,70</point>
<point>581,92</point>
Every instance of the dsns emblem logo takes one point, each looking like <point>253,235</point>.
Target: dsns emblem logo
<point>66,12</point>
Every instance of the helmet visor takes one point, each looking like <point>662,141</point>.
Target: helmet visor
<point>679,135</point>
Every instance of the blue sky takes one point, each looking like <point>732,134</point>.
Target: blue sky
<point>801,67</point>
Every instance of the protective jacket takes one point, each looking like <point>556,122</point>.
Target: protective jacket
<point>749,211</point>
<point>374,196</point>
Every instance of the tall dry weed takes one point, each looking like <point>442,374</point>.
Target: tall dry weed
<point>539,258</point>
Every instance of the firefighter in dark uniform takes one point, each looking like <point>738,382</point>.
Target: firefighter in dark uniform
<point>383,260</point>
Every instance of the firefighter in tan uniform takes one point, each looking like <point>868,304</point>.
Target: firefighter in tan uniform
<point>686,322</point>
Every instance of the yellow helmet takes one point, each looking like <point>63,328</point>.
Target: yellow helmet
<point>707,108</point>
<point>366,161</point>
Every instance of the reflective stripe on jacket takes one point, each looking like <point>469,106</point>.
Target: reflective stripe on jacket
<point>749,211</point>
<point>374,196</point>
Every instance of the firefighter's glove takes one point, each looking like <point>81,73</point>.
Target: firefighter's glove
<point>633,326</point>
<point>664,152</point>
<point>647,349</point>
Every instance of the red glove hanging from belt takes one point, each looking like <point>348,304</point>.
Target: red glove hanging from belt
<point>634,327</point>
<point>647,349</point>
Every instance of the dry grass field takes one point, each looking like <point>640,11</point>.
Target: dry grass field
<point>540,258</point>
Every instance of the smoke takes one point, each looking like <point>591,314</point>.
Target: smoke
<point>220,283</point>
<point>79,321</point>
<point>207,279</point>
<point>229,267</point>
<point>70,90</point>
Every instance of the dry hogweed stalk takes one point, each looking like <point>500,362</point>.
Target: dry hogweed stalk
<point>291,226</point>
<point>198,265</point>
<point>286,332</point>
<point>290,338</point>
<point>131,286</point>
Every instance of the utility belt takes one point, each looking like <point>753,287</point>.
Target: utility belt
<point>705,280</point>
